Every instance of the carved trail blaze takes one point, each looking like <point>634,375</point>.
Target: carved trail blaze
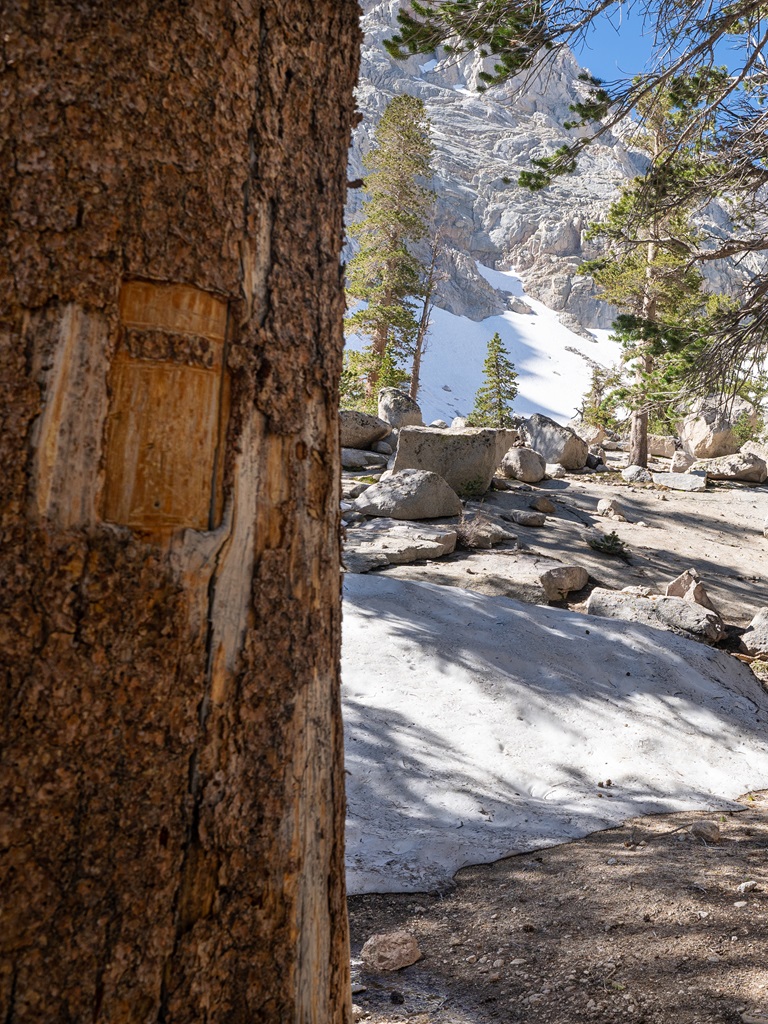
<point>168,409</point>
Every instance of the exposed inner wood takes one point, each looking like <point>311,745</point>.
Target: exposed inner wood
<point>166,415</point>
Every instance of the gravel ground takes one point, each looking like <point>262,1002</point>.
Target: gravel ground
<point>648,922</point>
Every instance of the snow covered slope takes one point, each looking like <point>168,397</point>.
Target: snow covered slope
<point>552,376</point>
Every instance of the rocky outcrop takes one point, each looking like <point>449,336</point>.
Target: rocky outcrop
<point>524,576</point>
<point>410,494</point>
<point>744,466</point>
<point>398,409</point>
<point>467,459</point>
<point>707,431</point>
<point>673,613</point>
<point>381,542</point>
<point>555,443</point>
<point>360,430</point>
<point>482,142</point>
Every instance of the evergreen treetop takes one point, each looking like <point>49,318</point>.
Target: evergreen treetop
<point>385,273</point>
<point>493,401</point>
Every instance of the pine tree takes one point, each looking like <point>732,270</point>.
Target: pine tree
<point>385,273</point>
<point>493,401</point>
<point>646,270</point>
<point>687,40</point>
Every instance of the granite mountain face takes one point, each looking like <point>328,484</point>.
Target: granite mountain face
<point>482,142</point>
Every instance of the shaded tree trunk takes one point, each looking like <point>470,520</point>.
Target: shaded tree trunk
<point>426,312</point>
<point>638,423</point>
<point>170,342</point>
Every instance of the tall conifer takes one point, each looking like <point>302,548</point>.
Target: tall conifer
<point>385,273</point>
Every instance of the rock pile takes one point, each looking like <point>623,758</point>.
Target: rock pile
<point>424,507</point>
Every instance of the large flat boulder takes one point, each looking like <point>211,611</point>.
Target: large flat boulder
<point>381,542</point>
<point>361,430</point>
<point>707,431</point>
<point>410,494</point>
<point>466,459</point>
<point>555,442</point>
<point>681,481</point>
<point>672,613</point>
<point>744,466</point>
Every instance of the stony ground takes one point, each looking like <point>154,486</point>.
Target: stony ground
<point>644,923</point>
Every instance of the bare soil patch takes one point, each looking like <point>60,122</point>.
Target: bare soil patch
<point>643,923</point>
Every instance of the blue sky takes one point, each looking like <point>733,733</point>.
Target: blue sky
<point>617,46</point>
<point>620,42</point>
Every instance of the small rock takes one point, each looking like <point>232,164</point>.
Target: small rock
<point>709,831</point>
<point>555,471</point>
<point>681,462</point>
<point>636,475</point>
<point>611,508</point>
<point>358,1013</point>
<point>559,582</point>
<point>755,639</point>
<point>529,518</point>
<point>740,903</point>
<point>523,464</point>
<point>542,504</point>
<point>353,458</point>
<point>747,886</point>
<point>688,586</point>
<point>612,860</point>
<point>390,952</point>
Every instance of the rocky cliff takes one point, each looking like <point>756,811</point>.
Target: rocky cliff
<point>482,142</point>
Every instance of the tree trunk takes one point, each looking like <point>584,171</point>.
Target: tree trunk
<point>638,423</point>
<point>170,342</point>
<point>426,312</point>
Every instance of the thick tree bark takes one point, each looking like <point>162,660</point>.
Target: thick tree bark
<point>170,342</point>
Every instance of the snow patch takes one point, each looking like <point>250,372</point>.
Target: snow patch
<point>479,727</point>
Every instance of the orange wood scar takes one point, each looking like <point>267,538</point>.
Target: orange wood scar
<point>166,419</point>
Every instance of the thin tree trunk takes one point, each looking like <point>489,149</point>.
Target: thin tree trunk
<point>426,312</point>
<point>170,344</point>
<point>638,437</point>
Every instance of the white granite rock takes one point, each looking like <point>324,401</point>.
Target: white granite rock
<point>410,494</point>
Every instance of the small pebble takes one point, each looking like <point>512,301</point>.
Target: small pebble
<point>612,860</point>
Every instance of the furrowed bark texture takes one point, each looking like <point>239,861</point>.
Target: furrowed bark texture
<point>170,341</point>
